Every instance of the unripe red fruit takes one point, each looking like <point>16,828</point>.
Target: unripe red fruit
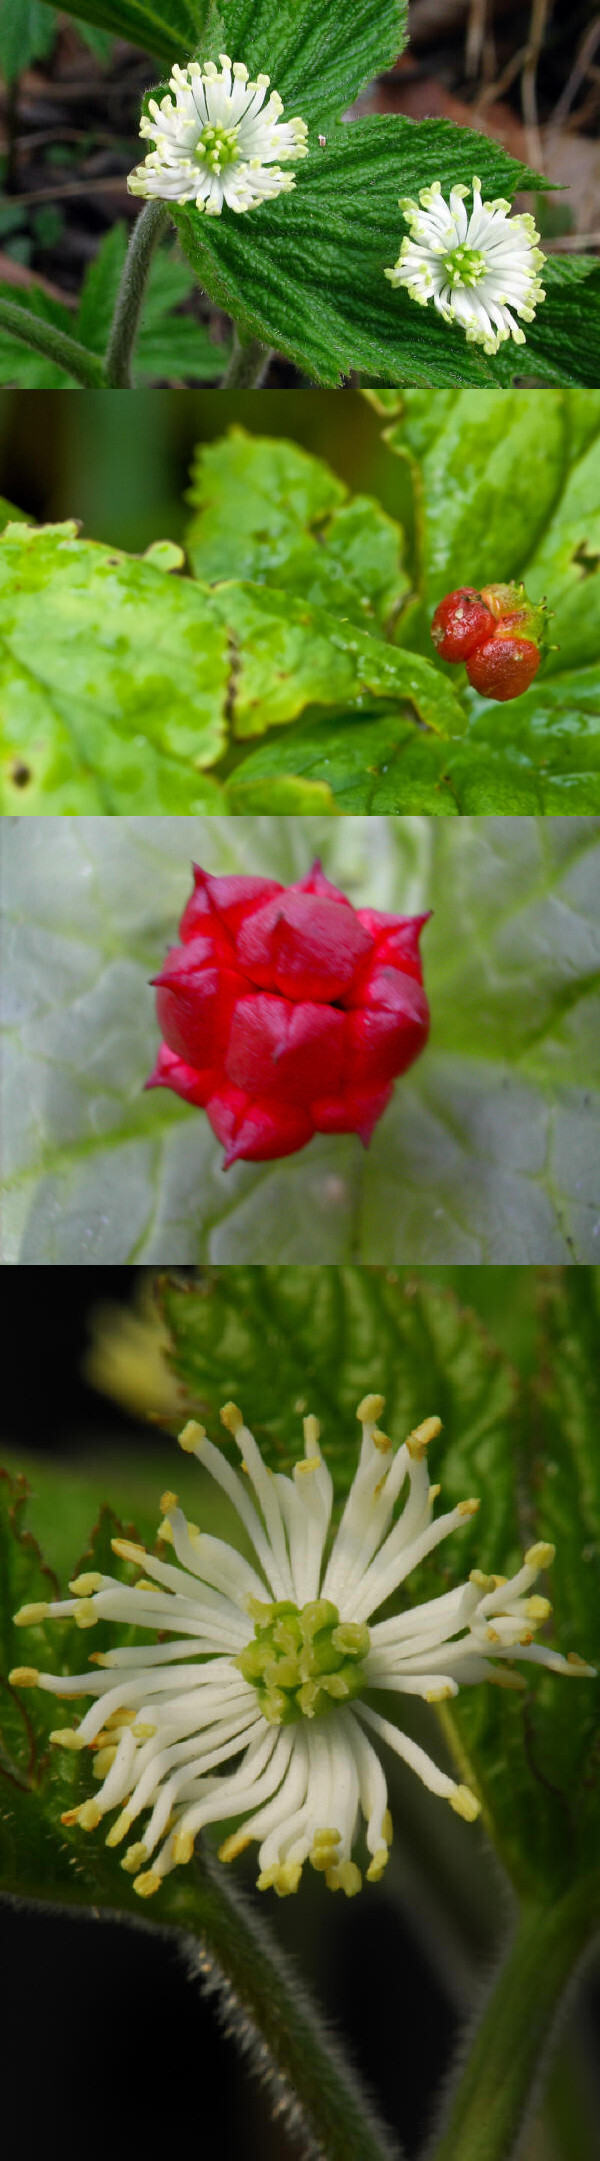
<point>496,632</point>
<point>503,666</point>
<point>460,623</point>
<point>286,1012</point>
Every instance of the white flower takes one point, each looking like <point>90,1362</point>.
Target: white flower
<point>260,1706</point>
<point>480,271</point>
<point>216,140</point>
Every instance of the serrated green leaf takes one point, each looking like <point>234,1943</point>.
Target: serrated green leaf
<point>488,1152</point>
<point>114,678</point>
<point>380,765</point>
<point>266,511</point>
<point>538,1772</point>
<point>305,273</point>
<point>119,682</point>
<point>290,655</point>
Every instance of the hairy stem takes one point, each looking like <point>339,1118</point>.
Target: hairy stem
<point>268,2011</point>
<point>248,366</point>
<point>146,231</point>
<point>510,2051</point>
<point>56,345</point>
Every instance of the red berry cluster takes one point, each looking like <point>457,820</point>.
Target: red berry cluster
<point>286,1012</point>
<point>497,634</point>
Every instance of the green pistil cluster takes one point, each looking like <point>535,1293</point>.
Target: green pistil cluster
<point>217,147</point>
<point>465,266</point>
<point>302,1660</point>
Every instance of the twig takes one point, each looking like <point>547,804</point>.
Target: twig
<point>577,76</point>
<point>540,16</point>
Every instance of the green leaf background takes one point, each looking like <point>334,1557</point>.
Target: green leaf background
<point>489,1149</point>
<point>312,609</point>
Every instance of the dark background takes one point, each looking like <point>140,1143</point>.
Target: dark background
<point>111,2042</point>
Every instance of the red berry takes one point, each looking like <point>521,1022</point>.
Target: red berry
<point>460,623</point>
<point>287,1012</point>
<point>503,666</point>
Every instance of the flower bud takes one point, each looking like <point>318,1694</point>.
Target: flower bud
<point>287,1012</point>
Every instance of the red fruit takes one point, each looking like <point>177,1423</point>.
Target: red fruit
<point>504,666</point>
<point>460,623</point>
<point>287,1012</point>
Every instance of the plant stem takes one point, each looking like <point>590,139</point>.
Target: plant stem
<point>509,2054</point>
<point>146,231</point>
<point>55,344</point>
<point>270,2013</point>
<point>248,366</point>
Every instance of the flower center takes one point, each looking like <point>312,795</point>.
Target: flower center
<point>217,147</point>
<point>302,1660</point>
<point>465,266</point>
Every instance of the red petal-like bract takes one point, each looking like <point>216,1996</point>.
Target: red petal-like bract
<point>287,1012</point>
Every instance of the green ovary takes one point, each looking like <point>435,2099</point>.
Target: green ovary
<point>302,1660</point>
<point>465,266</point>
<point>217,147</point>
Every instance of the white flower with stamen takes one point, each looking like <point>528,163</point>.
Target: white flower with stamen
<point>260,1700</point>
<point>481,271</point>
<point>216,140</point>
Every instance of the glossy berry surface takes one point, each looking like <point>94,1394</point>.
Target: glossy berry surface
<point>460,623</point>
<point>503,666</point>
<point>287,1012</point>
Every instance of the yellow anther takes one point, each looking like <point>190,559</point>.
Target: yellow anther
<point>89,1816</point>
<point>192,1437</point>
<point>579,1665</point>
<point>165,1532</point>
<point>144,1584</point>
<point>120,1829</point>
<point>167,1501</point>
<point>538,1609</point>
<point>464,1803</point>
<point>307,1463</point>
<point>433,1494</point>
<point>327,1835</point>
<point>143,1733</point>
<point>101,1658</point>
<point>377,1865</point>
<point>231,1417</point>
<point>468,1508</point>
<point>419,1440</point>
<point>344,1877</point>
<point>147,1884</point>
<point>483,1583</point>
<point>183,1847</point>
<point>66,1737</point>
<point>540,1556</point>
<point>370,1409</point>
<point>28,1616</point>
<point>103,1762</point>
<point>134,1859</point>
<point>438,1695</point>
<point>282,1877</point>
<point>312,1431</point>
<point>231,1847</point>
<point>127,1551</point>
<point>381,1440</point>
<point>84,1586</point>
<point>84,1613</point>
<point>24,1677</point>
